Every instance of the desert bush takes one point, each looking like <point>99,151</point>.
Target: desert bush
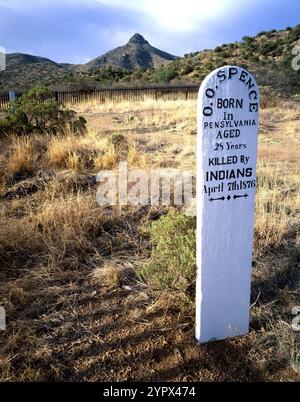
<point>248,40</point>
<point>109,75</point>
<point>38,112</point>
<point>292,77</point>
<point>119,145</point>
<point>173,260</point>
<point>294,34</point>
<point>218,49</point>
<point>188,68</point>
<point>262,33</point>
<point>165,74</point>
<point>117,140</point>
<point>267,47</point>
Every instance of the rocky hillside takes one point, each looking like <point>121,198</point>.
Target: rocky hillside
<point>137,53</point>
<point>268,55</point>
<point>25,71</point>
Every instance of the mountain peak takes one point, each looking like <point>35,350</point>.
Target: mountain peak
<point>137,53</point>
<point>137,38</point>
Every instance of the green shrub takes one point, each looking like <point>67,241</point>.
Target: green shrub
<point>188,68</point>
<point>37,111</point>
<point>16,123</point>
<point>173,260</point>
<point>116,139</point>
<point>291,78</point>
<point>294,34</point>
<point>109,75</point>
<point>267,47</point>
<point>166,74</point>
<point>248,39</point>
<point>262,33</point>
<point>120,144</point>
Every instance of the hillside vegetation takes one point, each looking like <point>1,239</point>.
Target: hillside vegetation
<point>268,55</point>
<point>25,71</point>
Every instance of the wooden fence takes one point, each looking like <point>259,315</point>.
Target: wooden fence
<point>118,94</point>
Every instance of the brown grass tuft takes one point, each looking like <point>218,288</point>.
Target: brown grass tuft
<point>109,275</point>
<point>22,155</point>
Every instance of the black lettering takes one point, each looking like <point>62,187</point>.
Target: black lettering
<point>253,95</point>
<point>207,111</point>
<point>239,103</point>
<point>210,93</point>
<point>253,107</point>
<point>232,71</point>
<point>222,174</point>
<point>222,75</point>
<point>249,83</point>
<point>243,76</point>
<point>248,172</point>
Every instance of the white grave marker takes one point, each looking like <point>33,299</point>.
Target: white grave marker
<point>12,96</point>
<point>2,59</point>
<point>2,319</point>
<point>228,108</point>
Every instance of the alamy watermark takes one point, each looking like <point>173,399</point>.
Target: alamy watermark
<point>2,59</point>
<point>2,319</point>
<point>146,187</point>
<point>296,59</point>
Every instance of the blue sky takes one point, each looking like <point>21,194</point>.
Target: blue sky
<point>76,31</point>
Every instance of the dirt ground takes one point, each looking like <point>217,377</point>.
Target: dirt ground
<point>114,336</point>
<point>77,331</point>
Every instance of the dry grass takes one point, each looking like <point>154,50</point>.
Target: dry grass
<point>91,152</point>
<point>22,155</point>
<point>277,204</point>
<point>58,247</point>
<point>109,275</point>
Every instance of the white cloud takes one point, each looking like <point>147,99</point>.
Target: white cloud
<point>166,15</point>
<point>181,15</point>
<point>177,26</point>
<point>108,37</point>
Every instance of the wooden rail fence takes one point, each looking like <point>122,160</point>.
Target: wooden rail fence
<point>117,94</point>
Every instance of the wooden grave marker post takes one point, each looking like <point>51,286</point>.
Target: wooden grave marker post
<point>228,119</point>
